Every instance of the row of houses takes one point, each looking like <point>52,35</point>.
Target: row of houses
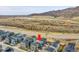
<point>31,44</point>
<point>13,39</point>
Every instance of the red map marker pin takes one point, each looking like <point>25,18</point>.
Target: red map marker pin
<point>39,37</point>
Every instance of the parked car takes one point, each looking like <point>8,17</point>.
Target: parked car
<point>1,48</point>
<point>8,49</point>
<point>50,49</point>
<point>70,47</point>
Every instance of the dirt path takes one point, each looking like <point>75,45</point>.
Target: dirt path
<point>44,34</point>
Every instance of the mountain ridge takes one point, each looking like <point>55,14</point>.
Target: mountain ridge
<point>68,12</point>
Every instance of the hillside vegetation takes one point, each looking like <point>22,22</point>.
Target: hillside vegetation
<point>43,23</point>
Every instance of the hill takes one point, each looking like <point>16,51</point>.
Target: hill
<point>68,12</point>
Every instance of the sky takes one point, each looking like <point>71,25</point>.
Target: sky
<point>25,10</point>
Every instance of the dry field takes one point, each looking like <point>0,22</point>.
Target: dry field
<point>43,23</point>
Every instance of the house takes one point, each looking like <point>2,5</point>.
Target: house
<point>61,47</point>
<point>13,41</point>
<point>34,47</point>
<point>7,40</point>
<point>25,44</point>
